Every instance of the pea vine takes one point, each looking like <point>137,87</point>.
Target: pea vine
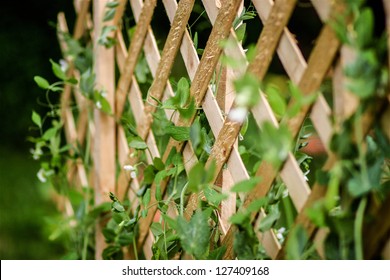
<point>360,176</point>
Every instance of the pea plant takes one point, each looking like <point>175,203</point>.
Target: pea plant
<point>360,176</point>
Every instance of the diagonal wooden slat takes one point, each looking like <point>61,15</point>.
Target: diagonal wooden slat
<point>319,63</point>
<point>131,60</point>
<point>265,48</point>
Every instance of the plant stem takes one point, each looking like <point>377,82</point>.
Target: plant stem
<point>358,228</point>
<point>135,249</point>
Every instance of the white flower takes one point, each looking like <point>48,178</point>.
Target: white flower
<point>64,65</point>
<point>132,169</point>
<point>41,175</point>
<point>99,105</point>
<point>279,233</point>
<point>128,167</point>
<point>238,114</point>
<point>36,153</point>
<point>104,94</point>
<point>285,193</point>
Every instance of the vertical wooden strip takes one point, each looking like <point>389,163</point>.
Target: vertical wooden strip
<point>104,145</point>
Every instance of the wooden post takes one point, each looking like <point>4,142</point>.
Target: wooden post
<point>104,142</point>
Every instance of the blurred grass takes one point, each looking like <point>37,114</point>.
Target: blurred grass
<point>24,207</point>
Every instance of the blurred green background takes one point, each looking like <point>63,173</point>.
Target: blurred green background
<point>27,41</point>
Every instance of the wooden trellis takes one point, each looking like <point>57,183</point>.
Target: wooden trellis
<point>109,145</point>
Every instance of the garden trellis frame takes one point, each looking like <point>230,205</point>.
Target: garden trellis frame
<point>110,146</point>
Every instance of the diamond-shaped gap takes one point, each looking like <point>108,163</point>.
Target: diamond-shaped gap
<point>253,26</point>
<point>199,27</point>
<point>160,24</point>
<point>128,24</point>
<point>306,25</point>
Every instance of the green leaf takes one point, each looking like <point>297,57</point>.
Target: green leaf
<point>156,229</point>
<point>158,194</point>
<point>112,4</point>
<point>194,235</point>
<point>149,174</point>
<point>214,197</point>
<point>256,205</point>
<point>239,218</point>
<point>364,27</point>
<point>125,238</point>
<point>109,234</point>
<point>158,164</point>
<point>116,205</point>
<point>246,185</point>
<point>101,102</point>
<point>138,144</point>
<point>179,133</point>
<point>199,176</point>
<point>41,82</point>
<point>267,222</point>
<point>104,38</point>
<point>57,70</point>
<point>183,91</point>
<point>296,243</point>
<point>277,102</point>
<point>109,14</point>
<point>196,134</point>
<point>36,118</point>
<point>317,214</point>
<point>87,83</point>
<point>240,32</point>
<point>274,143</point>
<point>50,133</point>
<point>146,198</point>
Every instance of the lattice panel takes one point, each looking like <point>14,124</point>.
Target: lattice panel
<point>110,146</point>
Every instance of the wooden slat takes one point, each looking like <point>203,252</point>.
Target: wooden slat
<point>318,65</point>
<point>170,50</point>
<point>198,87</point>
<point>230,130</point>
<point>104,145</point>
<point>131,61</point>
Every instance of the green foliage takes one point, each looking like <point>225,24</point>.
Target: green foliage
<point>182,101</point>
<point>195,234</point>
<point>357,177</point>
<point>275,143</point>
